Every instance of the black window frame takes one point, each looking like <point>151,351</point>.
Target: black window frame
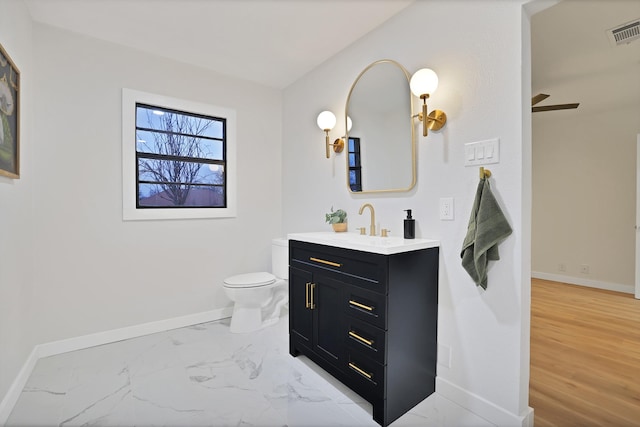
<point>155,156</point>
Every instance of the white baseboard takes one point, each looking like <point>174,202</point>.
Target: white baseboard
<point>628,289</point>
<point>482,407</point>
<point>99,338</point>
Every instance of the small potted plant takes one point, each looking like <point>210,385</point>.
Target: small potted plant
<point>337,219</point>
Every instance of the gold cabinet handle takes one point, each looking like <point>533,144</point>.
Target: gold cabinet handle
<point>313,287</point>
<point>322,261</point>
<point>359,338</point>
<point>360,371</point>
<point>306,295</point>
<point>357,304</point>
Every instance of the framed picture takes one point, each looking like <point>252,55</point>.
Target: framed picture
<point>9,116</point>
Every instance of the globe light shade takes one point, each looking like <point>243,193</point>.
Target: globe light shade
<point>349,124</point>
<point>326,120</point>
<point>424,82</point>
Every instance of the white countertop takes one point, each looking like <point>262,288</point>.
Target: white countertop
<point>375,244</point>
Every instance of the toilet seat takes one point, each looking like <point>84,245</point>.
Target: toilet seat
<point>250,280</point>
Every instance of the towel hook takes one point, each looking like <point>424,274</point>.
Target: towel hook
<point>484,173</point>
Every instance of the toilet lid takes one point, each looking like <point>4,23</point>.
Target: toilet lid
<point>250,280</point>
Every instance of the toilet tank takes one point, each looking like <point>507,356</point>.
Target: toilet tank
<point>280,258</point>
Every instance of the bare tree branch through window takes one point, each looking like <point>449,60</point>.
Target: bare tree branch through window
<point>180,159</point>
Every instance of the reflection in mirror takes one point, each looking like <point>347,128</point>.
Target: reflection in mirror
<point>381,142</point>
<point>355,168</point>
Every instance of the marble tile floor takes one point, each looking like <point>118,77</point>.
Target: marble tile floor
<point>203,376</point>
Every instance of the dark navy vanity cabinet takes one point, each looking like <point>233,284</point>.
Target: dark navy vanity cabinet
<point>368,319</point>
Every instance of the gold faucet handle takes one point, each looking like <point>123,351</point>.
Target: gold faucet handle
<point>363,230</point>
<point>384,232</point>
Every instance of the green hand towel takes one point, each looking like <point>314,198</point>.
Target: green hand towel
<point>487,228</point>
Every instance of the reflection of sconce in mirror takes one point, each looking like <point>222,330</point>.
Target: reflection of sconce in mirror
<point>326,121</point>
<point>423,83</point>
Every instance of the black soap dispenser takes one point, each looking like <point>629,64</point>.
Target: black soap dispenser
<point>409,226</point>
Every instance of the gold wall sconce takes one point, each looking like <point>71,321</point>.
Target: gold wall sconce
<point>326,121</point>
<point>423,83</point>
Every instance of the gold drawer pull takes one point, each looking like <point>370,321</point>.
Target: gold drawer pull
<point>357,304</point>
<point>322,261</point>
<point>306,295</point>
<point>313,305</point>
<point>359,338</point>
<point>360,371</point>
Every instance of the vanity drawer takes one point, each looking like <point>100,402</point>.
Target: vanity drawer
<point>365,337</point>
<point>363,269</point>
<point>368,306</point>
<point>366,374</point>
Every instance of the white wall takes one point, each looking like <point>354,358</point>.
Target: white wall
<point>584,159</point>
<point>476,47</point>
<point>584,194</point>
<point>95,272</point>
<point>16,198</point>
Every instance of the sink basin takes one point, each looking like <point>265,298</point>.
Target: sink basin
<point>375,244</point>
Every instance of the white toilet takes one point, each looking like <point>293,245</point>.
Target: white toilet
<point>259,297</point>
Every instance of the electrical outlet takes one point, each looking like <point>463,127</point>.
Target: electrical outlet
<point>562,267</point>
<point>584,269</point>
<point>444,355</point>
<point>446,208</point>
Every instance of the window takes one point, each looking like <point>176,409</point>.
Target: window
<point>178,158</point>
<point>355,167</point>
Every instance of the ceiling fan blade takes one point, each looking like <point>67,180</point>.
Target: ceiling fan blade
<point>539,97</point>
<point>554,107</point>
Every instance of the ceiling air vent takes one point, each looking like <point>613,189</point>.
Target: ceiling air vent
<point>625,33</point>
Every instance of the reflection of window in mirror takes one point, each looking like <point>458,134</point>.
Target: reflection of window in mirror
<point>355,167</point>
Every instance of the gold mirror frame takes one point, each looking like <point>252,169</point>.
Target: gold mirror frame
<point>409,123</point>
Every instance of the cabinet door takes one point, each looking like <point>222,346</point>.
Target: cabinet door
<point>300,314</point>
<point>328,339</point>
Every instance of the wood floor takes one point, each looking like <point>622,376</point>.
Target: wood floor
<point>585,356</point>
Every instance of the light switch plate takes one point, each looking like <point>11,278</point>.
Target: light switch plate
<point>482,152</point>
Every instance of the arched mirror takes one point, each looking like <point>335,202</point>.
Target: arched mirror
<point>381,143</point>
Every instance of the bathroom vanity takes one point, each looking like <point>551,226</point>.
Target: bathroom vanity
<point>365,309</point>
